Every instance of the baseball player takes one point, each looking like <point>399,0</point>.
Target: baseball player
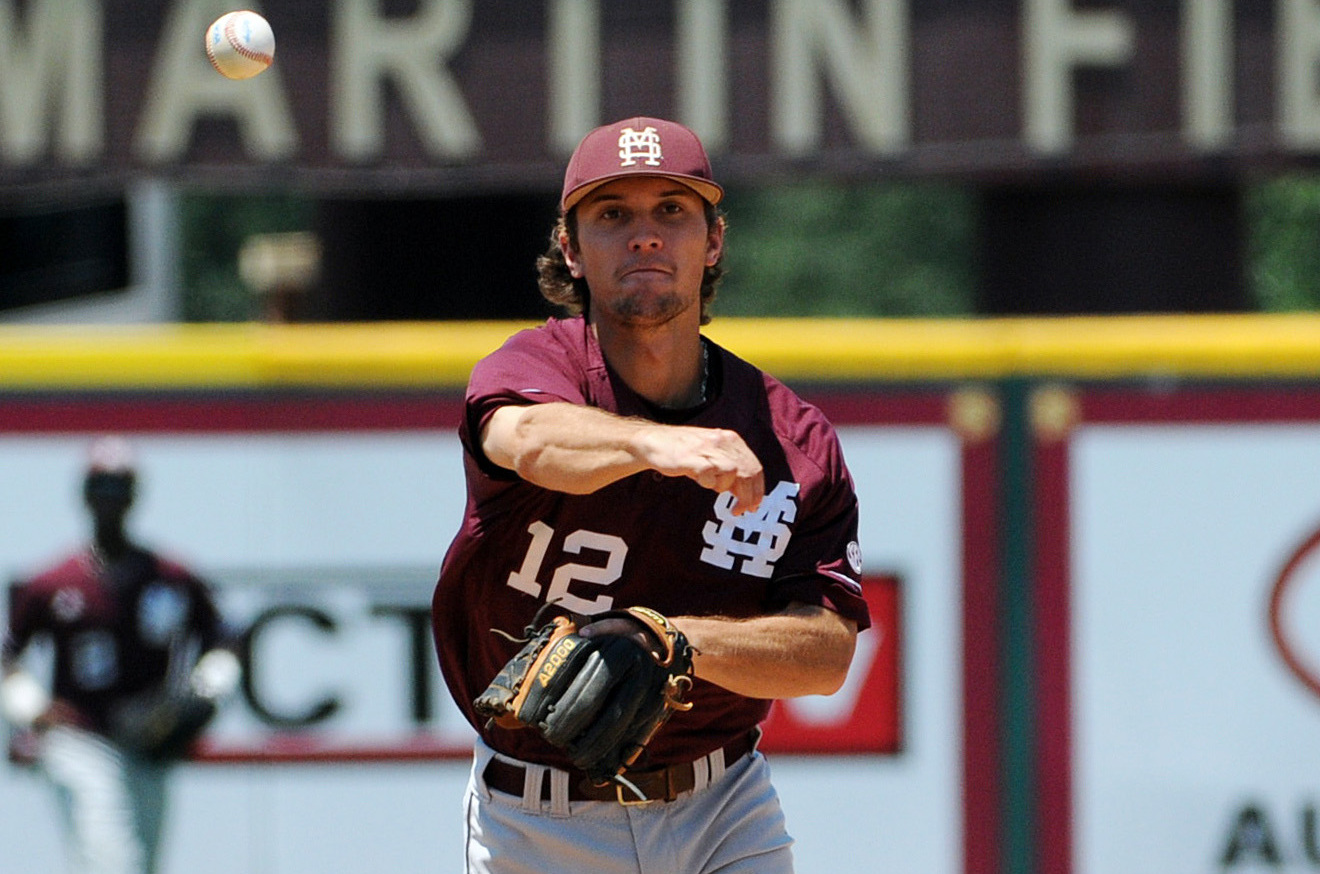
<point>140,661</point>
<point>658,495</point>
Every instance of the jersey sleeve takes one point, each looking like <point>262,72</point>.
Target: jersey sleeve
<point>530,368</point>
<point>211,628</point>
<point>24,619</point>
<point>205,621</point>
<point>824,562</point>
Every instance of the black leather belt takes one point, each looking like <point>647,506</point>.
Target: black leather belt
<point>659,784</point>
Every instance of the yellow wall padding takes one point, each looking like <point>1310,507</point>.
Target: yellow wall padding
<point>439,355</point>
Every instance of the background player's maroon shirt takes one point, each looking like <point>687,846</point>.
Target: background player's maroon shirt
<point>650,540</point>
<point>112,628</point>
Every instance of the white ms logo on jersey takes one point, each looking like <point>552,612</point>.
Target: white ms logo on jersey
<point>644,147</point>
<point>759,538</point>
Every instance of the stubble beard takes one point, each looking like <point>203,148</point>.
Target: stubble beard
<point>647,309</point>
<point>643,309</point>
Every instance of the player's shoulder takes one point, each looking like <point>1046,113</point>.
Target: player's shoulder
<point>787,409</point>
<point>554,361</point>
<point>558,344</point>
<point>555,336</point>
<point>169,566</point>
<point>69,569</point>
<point>795,421</point>
<point>173,568</point>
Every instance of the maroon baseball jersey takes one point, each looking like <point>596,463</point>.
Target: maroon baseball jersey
<point>649,540</point>
<point>112,627</point>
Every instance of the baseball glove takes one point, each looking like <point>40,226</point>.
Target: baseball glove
<point>161,724</point>
<point>599,698</point>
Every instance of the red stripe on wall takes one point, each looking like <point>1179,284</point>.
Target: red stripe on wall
<point>301,749</point>
<point>221,413</point>
<point>861,408</point>
<point>1053,663</point>
<point>981,668</point>
<point>266,411</point>
<point>1180,404</point>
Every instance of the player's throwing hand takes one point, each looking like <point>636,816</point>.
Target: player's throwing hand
<point>715,458</point>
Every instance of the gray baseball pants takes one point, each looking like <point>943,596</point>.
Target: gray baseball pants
<point>112,805</point>
<point>731,823</point>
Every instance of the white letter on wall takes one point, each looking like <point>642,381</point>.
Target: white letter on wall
<point>702,70</point>
<point>1298,51</point>
<point>866,61</point>
<point>369,48</point>
<point>1055,40</point>
<point>57,56</point>
<point>184,87</point>
<point>1207,70</point>
<point>573,54</point>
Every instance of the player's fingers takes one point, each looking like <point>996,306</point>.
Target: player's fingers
<point>744,478</point>
<point>748,493</point>
<point>747,487</point>
<point>715,458</point>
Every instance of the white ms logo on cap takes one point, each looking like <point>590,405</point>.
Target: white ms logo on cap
<point>644,146</point>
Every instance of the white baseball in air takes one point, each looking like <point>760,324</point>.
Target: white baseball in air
<point>240,44</point>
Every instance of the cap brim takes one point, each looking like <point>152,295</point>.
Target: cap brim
<point>705,189</point>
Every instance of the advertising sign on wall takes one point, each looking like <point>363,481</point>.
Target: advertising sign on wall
<point>321,519</point>
<point>1179,591</point>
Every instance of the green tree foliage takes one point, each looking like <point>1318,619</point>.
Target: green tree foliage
<point>824,249</point>
<point>1283,243</point>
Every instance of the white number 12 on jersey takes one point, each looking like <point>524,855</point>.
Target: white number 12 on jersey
<point>524,578</point>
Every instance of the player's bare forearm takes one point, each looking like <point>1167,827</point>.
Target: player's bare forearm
<point>563,447</point>
<point>578,449</point>
<point>803,650</point>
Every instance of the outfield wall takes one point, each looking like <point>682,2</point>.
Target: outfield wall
<point>1088,541</point>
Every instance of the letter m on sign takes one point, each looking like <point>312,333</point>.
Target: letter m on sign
<point>865,716</point>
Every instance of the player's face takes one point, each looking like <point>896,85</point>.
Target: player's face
<point>643,246</point>
<point>109,495</point>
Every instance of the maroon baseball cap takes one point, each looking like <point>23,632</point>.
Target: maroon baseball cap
<point>638,147</point>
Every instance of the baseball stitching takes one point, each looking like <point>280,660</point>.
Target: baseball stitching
<point>241,48</point>
<point>210,55</point>
<point>231,36</point>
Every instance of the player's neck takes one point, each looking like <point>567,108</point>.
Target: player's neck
<point>110,543</point>
<point>668,369</point>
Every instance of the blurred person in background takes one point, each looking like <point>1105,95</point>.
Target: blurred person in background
<point>141,661</point>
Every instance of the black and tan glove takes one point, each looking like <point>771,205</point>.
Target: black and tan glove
<point>161,724</point>
<point>600,698</point>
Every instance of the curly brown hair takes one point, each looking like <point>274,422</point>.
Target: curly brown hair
<point>561,288</point>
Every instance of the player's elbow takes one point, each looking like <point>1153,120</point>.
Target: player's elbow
<point>830,639</point>
<point>835,658</point>
<point>832,674</point>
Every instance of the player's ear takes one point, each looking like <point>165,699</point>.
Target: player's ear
<point>715,241</point>
<point>571,258</point>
